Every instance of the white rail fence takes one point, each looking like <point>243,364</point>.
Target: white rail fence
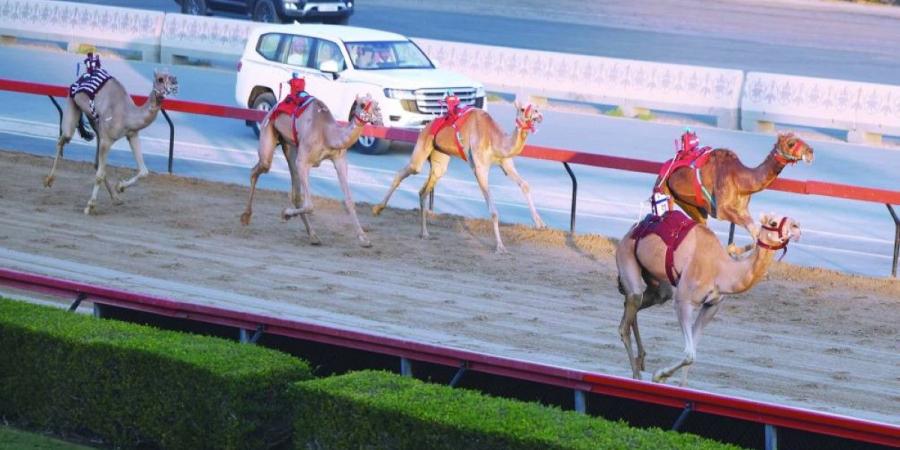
<point>752,101</point>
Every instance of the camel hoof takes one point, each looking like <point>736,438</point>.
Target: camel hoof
<point>120,188</point>
<point>376,210</point>
<point>48,182</point>
<point>314,240</point>
<point>658,377</point>
<point>245,218</point>
<point>284,215</point>
<point>117,201</point>
<point>365,243</point>
<point>501,250</point>
<point>89,209</point>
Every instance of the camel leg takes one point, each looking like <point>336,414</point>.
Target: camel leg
<point>692,211</point>
<point>100,177</point>
<point>70,117</point>
<point>265,151</point>
<point>439,163</point>
<point>307,205</point>
<point>340,166</point>
<point>629,322</point>
<point>481,175</point>
<point>706,314</point>
<point>424,148</point>
<point>290,154</point>
<point>684,310</point>
<point>509,169</point>
<point>135,143</point>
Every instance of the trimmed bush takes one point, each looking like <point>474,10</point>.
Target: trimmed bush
<point>381,410</point>
<point>134,385</point>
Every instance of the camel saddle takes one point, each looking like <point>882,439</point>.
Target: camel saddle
<point>451,119</point>
<point>695,159</point>
<point>90,83</point>
<point>293,105</point>
<point>671,227</point>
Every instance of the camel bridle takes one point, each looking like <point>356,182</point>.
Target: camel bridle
<point>783,240</point>
<point>787,158</point>
<point>367,110</point>
<point>530,115</point>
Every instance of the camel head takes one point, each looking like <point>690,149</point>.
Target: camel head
<point>366,110</point>
<point>527,116</point>
<point>790,149</point>
<point>776,231</point>
<point>164,83</point>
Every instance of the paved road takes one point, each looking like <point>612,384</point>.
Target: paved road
<point>799,37</point>
<point>849,236</point>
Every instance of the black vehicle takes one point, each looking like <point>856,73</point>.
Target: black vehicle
<point>273,11</point>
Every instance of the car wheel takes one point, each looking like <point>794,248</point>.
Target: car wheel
<point>263,102</point>
<point>371,146</point>
<point>195,7</point>
<point>264,11</point>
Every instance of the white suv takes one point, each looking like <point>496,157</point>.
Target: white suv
<point>341,62</point>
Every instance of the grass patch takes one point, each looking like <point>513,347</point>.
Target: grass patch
<point>17,439</point>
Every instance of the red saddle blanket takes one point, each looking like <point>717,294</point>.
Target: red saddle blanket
<point>450,120</point>
<point>293,106</point>
<point>695,160</point>
<point>671,227</point>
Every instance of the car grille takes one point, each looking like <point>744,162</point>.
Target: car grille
<point>428,101</point>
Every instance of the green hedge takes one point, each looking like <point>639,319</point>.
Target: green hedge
<point>381,410</point>
<point>134,385</point>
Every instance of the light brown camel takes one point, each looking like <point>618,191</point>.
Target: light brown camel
<point>485,143</point>
<point>730,184</point>
<point>704,274</point>
<point>320,138</point>
<point>118,117</point>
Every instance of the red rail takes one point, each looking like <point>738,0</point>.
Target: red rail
<point>809,187</point>
<point>660,394</point>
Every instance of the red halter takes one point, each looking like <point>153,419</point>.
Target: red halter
<point>780,230</point>
<point>528,123</point>
<point>367,108</point>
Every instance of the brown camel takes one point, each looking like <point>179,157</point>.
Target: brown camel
<point>704,273</point>
<point>118,117</point>
<point>731,184</point>
<point>487,145</point>
<point>320,137</point>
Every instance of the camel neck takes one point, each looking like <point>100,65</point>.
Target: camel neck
<point>738,275</point>
<point>346,135</point>
<point>514,143</point>
<point>764,174</point>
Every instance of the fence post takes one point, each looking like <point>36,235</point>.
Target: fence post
<point>574,198</point>
<point>171,137</point>
<point>771,437</point>
<point>896,238</point>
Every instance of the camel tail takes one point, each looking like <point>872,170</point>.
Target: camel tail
<point>83,130</point>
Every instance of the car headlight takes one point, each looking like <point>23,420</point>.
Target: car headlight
<point>399,94</point>
<point>479,91</point>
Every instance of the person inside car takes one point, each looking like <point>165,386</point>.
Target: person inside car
<point>297,54</point>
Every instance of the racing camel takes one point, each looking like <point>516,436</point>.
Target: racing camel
<point>725,184</point>
<point>308,138</point>
<point>472,135</point>
<point>666,257</point>
<point>113,115</point>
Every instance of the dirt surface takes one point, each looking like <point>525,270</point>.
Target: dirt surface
<point>804,337</point>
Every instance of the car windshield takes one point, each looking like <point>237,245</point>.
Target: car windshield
<point>387,55</point>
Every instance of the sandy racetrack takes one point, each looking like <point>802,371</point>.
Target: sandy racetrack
<point>803,337</point>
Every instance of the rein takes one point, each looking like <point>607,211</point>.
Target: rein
<point>367,109</point>
<point>784,242</point>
